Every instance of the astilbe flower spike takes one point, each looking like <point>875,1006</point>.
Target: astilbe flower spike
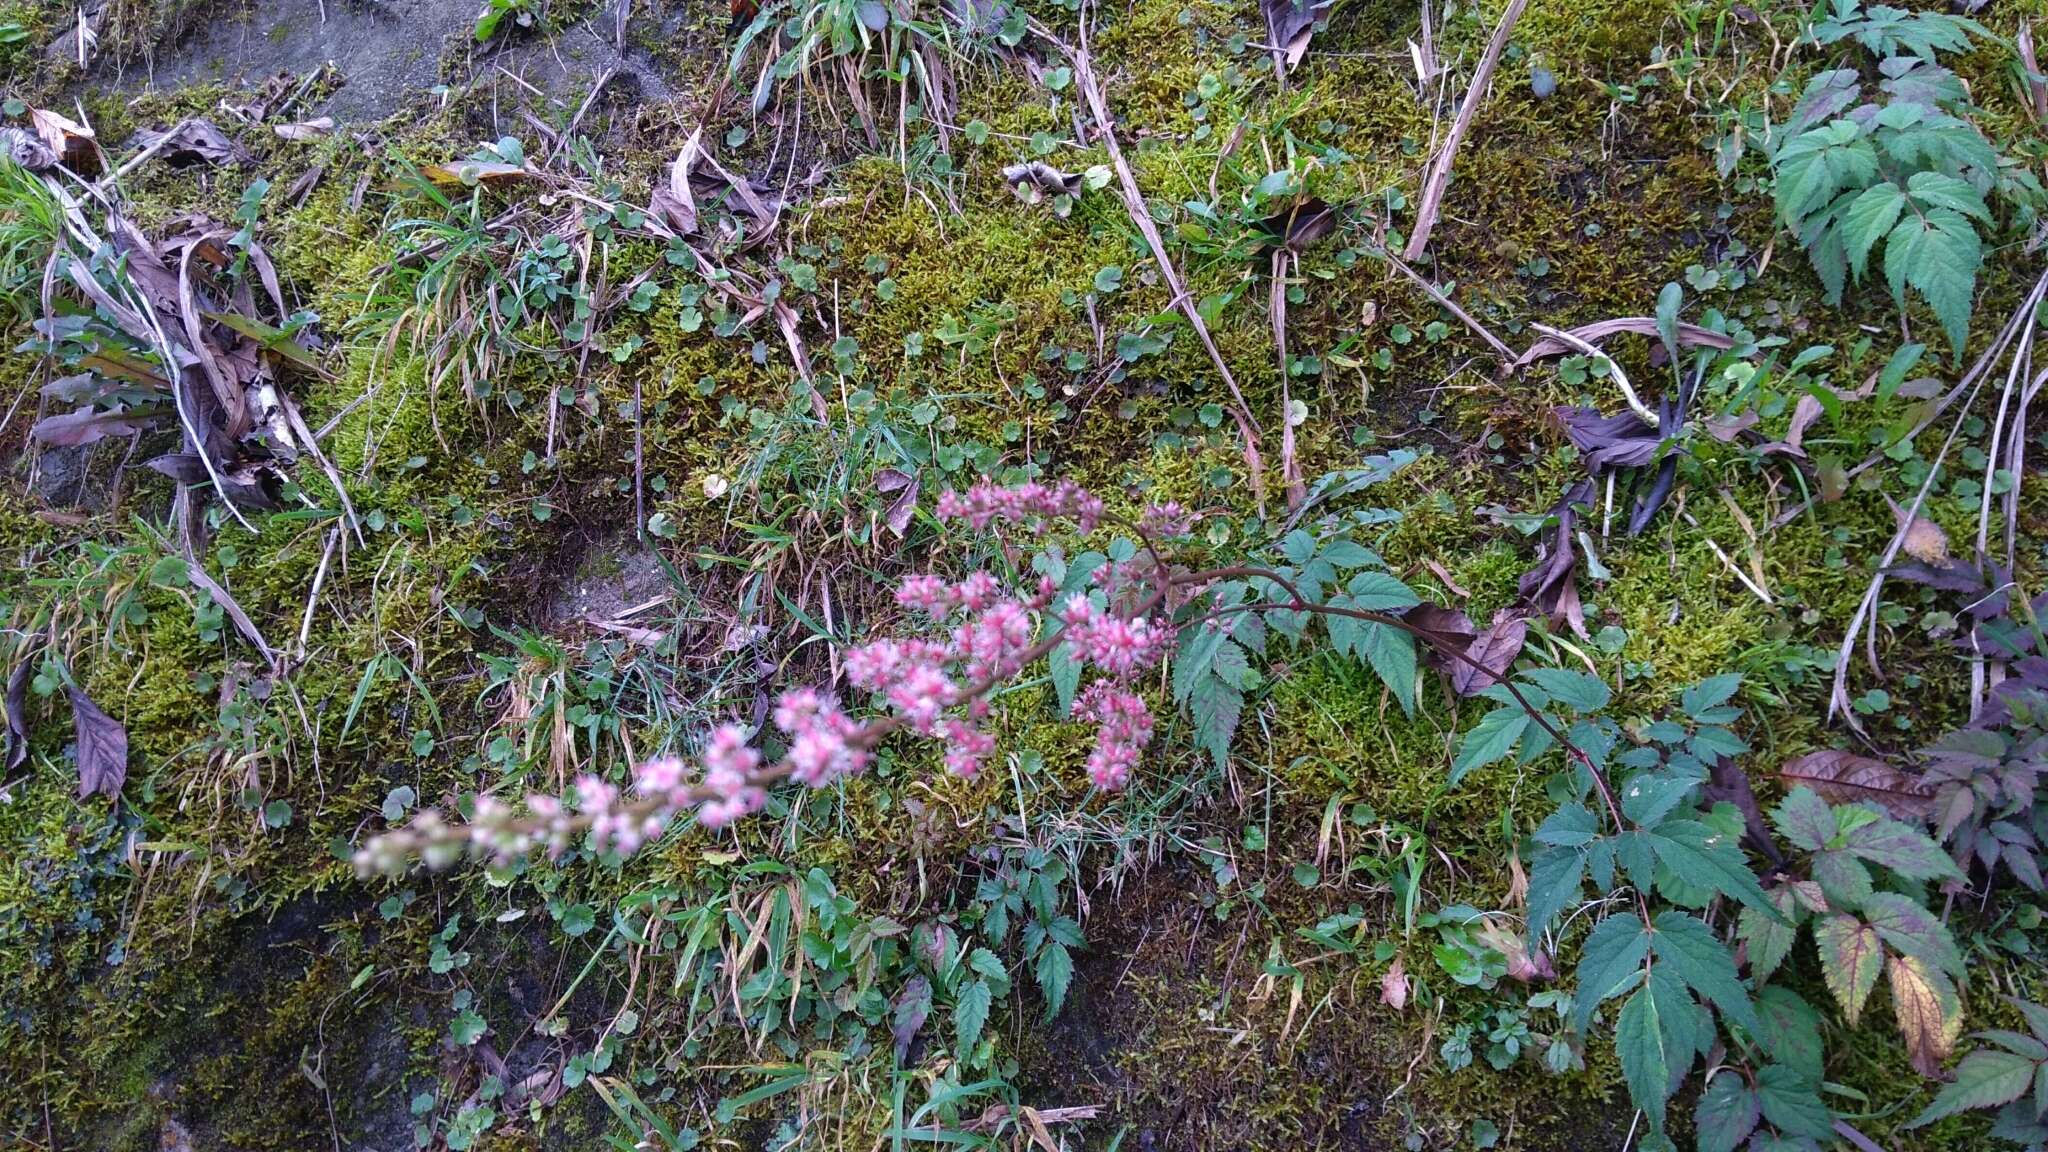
<point>934,686</point>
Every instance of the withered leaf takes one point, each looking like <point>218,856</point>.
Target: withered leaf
<point>1495,650</point>
<point>1954,576</point>
<point>1727,428</point>
<point>1304,224</point>
<point>674,201</point>
<point>17,712</point>
<point>1443,630</point>
<point>26,150</point>
<point>904,506</point>
<point>1622,440</point>
<point>84,426</point>
<point>911,1007</point>
<point>1727,782</point>
<point>1035,178</point>
<point>1841,777</point>
<point>70,142</point>
<point>1804,414</point>
<point>102,747</point>
<point>193,141</point>
<point>1551,587</point>
<point>307,130</point>
<point>1921,538</point>
<point>1395,986</point>
<point>1291,23</point>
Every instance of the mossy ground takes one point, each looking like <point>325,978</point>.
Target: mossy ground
<point>179,958</point>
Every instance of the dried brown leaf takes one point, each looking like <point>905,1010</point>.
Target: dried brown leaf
<point>904,506</point>
<point>102,747</point>
<point>1395,986</point>
<point>17,711</point>
<point>1845,778</point>
<point>1305,223</point>
<point>193,141</point>
<point>1922,539</point>
<point>88,425</point>
<point>26,150</point>
<point>1290,25</point>
<point>69,141</point>
<point>674,201</point>
<point>306,130</point>
<point>1494,650</point>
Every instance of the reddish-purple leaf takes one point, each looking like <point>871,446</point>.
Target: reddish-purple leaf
<point>1494,651</point>
<point>912,1006</point>
<point>102,748</point>
<point>1622,440</point>
<point>1728,782</point>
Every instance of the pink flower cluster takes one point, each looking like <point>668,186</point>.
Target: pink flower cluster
<point>1124,728</point>
<point>1114,644</point>
<point>935,686</point>
<point>986,503</point>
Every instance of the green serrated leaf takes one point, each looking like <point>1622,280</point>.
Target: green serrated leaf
<point>1493,738</point>
<point>1556,880</point>
<point>1578,691</point>
<point>1571,826</point>
<point>1726,1114</point>
<point>1805,819</point>
<point>1906,851</point>
<point>1609,960</point>
<point>1769,940</point>
<point>1792,1103</point>
<point>1704,856</point>
<point>1642,1041</point>
<point>1985,1079</point>
<point>970,1014</point>
<point>1866,220</point>
<point>1789,1029</point>
<point>1391,654</point>
<point>1055,972</point>
<point>1912,930</point>
<point>1688,947</point>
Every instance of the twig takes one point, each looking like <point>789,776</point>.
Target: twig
<point>313,597</point>
<point>1440,168</point>
<point>1134,204</point>
<point>1290,467</point>
<point>1730,564</point>
<point>1507,354</point>
<point>243,624</point>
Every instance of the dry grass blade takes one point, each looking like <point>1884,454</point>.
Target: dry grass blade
<point>2021,329</point>
<point>1557,342</point>
<point>243,623</point>
<point>1439,176</point>
<point>1290,466</point>
<point>1134,203</point>
<point>2037,87</point>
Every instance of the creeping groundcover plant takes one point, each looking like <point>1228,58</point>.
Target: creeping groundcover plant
<point>1649,820</point>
